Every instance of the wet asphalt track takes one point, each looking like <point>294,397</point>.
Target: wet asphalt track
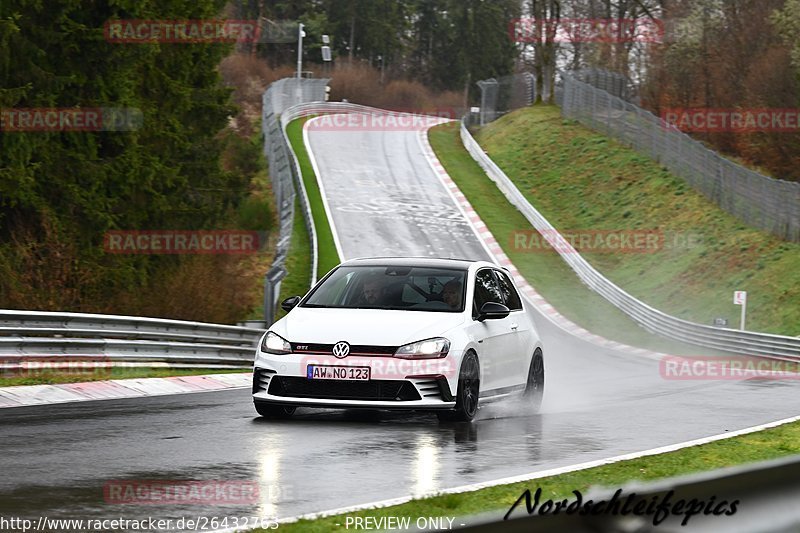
<point>55,460</point>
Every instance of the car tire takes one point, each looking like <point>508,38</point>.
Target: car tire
<point>274,410</point>
<point>534,388</point>
<point>469,387</point>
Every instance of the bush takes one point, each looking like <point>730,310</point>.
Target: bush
<point>361,84</point>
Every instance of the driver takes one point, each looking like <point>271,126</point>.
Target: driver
<point>451,294</point>
<point>370,291</point>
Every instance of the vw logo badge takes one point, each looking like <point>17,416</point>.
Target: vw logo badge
<point>341,349</point>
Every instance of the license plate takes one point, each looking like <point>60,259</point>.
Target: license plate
<point>347,373</point>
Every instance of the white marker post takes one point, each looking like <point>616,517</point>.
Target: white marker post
<point>300,35</point>
<point>740,298</point>
<point>299,90</point>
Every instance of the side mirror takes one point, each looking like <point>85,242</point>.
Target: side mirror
<point>492,311</point>
<point>290,303</point>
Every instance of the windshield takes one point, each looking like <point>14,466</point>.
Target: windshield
<point>395,287</point>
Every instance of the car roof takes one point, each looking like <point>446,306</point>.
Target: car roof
<point>434,262</point>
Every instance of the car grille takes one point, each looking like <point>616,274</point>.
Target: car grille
<point>375,390</point>
<point>355,349</point>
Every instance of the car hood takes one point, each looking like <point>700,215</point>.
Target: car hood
<point>363,326</point>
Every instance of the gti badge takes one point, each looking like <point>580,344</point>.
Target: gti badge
<point>341,349</point>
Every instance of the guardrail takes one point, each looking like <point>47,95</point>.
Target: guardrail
<point>320,108</point>
<point>117,338</point>
<point>285,174</point>
<point>653,320</point>
<point>26,335</point>
<point>287,116</point>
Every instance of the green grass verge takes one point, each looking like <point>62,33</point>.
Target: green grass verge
<point>547,272</point>
<point>8,379</point>
<point>328,257</point>
<point>769,444</point>
<point>582,180</point>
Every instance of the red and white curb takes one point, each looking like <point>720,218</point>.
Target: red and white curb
<point>495,250</point>
<point>115,389</point>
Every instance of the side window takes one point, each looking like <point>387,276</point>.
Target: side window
<point>333,291</point>
<point>510,294</point>
<point>486,289</point>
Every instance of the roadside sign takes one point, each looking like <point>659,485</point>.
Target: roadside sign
<point>740,298</point>
<point>326,53</point>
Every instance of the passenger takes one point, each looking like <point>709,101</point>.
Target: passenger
<point>451,294</point>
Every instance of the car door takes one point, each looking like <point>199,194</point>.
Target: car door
<point>494,336</point>
<point>516,358</point>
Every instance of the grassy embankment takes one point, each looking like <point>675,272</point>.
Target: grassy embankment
<point>13,378</point>
<point>582,180</point>
<point>546,271</point>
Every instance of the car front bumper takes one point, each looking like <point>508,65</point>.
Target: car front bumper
<point>393,384</point>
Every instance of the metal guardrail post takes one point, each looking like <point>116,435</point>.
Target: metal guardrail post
<point>272,289</point>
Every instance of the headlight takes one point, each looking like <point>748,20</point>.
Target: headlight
<point>427,349</point>
<point>275,344</point>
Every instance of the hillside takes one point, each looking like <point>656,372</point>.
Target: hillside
<point>584,182</point>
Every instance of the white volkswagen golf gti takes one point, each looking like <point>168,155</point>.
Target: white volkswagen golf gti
<point>398,333</point>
